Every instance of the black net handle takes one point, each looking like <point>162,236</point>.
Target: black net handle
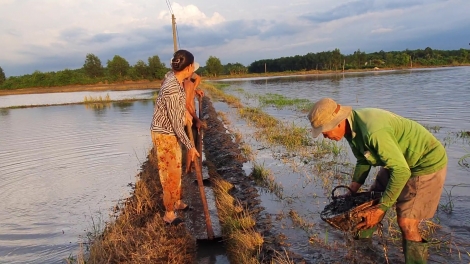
<point>339,186</point>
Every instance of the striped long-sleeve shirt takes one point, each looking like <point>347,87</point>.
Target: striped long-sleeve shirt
<point>169,112</point>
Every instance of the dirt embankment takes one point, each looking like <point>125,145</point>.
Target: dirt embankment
<point>138,233</point>
<point>224,158</point>
<point>128,85</point>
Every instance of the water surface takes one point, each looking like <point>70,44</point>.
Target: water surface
<point>63,167</point>
<point>437,98</point>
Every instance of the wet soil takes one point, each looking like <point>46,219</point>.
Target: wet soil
<point>224,158</point>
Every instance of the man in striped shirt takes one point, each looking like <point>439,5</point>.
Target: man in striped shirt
<point>167,130</point>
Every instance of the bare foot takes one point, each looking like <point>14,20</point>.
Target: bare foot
<point>180,205</point>
<point>169,216</point>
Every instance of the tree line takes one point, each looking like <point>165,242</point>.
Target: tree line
<point>334,60</point>
<point>118,69</point>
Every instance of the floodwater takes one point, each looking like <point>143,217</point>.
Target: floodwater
<point>437,98</point>
<point>62,168</point>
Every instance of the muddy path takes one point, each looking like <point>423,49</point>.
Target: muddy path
<point>225,159</point>
<point>138,234</point>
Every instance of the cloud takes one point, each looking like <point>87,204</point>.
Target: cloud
<point>381,30</point>
<point>103,38</point>
<point>191,15</point>
<point>360,7</point>
<point>52,35</point>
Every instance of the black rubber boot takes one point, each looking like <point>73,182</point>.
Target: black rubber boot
<point>415,252</point>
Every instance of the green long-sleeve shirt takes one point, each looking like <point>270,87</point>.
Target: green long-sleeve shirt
<point>404,147</point>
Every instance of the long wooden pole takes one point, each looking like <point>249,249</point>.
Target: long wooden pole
<point>197,163</point>
<point>173,26</point>
<point>199,134</point>
<point>197,166</point>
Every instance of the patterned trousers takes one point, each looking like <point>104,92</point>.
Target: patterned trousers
<point>169,167</point>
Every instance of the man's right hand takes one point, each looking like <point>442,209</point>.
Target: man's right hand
<point>193,154</point>
<point>200,93</point>
<point>354,187</point>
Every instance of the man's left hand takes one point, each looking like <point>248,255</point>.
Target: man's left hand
<point>370,218</point>
<point>200,93</point>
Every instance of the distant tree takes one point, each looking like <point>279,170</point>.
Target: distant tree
<point>141,69</point>
<point>429,53</point>
<point>464,57</point>
<point>360,58</point>
<point>157,69</point>
<point>389,60</point>
<point>336,58</point>
<point>235,68</point>
<point>92,66</point>
<point>402,59</point>
<point>118,67</point>
<point>214,66</point>
<point>2,76</point>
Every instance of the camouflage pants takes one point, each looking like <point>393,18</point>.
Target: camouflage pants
<point>169,167</point>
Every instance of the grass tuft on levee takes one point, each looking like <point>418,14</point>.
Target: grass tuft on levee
<point>138,233</point>
<point>241,239</point>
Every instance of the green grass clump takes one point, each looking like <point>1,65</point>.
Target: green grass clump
<point>280,101</point>
<point>258,117</point>
<point>97,99</point>
<point>263,177</point>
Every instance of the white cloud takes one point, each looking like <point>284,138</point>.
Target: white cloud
<point>45,35</point>
<point>381,30</point>
<point>191,15</point>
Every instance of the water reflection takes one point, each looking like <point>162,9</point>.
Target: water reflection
<point>60,166</point>
<point>123,106</point>
<point>98,107</point>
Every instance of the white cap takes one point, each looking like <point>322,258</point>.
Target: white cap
<point>196,66</point>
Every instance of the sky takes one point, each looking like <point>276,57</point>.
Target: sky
<point>53,35</point>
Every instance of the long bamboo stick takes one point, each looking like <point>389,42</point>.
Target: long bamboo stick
<point>197,166</point>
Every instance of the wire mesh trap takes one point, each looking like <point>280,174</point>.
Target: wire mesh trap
<point>342,211</point>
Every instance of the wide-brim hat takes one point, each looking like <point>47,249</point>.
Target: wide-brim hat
<point>326,114</point>
<point>196,66</point>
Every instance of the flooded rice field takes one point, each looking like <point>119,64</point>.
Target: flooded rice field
<point>436,98</point>
<point>64,167</point>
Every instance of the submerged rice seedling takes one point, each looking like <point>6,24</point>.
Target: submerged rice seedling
<point>258,117</point>
<point>97,99</point>
<point>264,178</point>
<point>448,206</point>
<point>463,161</point>
<point>217,94</point>
<point>433,129</point>
<point>280,101</point>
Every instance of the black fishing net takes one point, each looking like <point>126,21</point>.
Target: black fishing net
<point>341,212</point>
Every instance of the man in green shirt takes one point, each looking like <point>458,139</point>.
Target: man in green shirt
<point>413,161</point>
